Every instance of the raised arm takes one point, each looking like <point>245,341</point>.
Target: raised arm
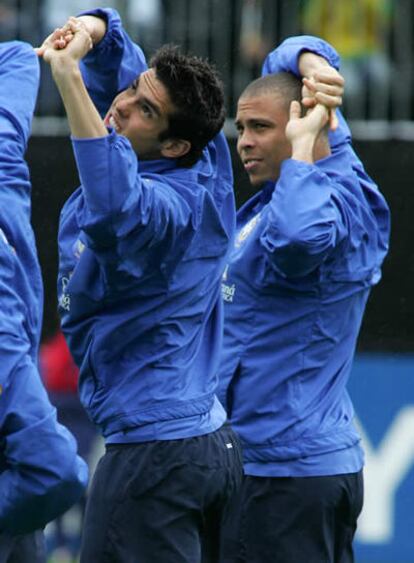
<point>64,59</point>
<point>111,64</point>
<point>303,132</point>
<point>19,80</point>
<point>308,214</point>
<point>40,473</point>
<point>316,60</point>
<point>115,60</point>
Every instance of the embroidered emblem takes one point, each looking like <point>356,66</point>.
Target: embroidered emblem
<point>246,230</point>
<point>79,247</point>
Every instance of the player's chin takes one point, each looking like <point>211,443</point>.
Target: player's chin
<point>256,179</point>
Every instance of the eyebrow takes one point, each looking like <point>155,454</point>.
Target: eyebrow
<point>252,120</point>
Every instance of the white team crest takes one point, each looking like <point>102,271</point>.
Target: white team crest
<point>79,247</point>
<point>246,230</point>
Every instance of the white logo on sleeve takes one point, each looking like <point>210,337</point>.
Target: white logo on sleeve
<point>64,300</point>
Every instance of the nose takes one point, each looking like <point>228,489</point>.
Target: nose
<point>245,140</point>
<point>123,106</point>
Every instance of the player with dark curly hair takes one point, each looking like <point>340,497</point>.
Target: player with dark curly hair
<point>197,94</point>
<point>143,243</point>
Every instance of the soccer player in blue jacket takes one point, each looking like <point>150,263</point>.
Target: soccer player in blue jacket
<point>308,249</point>
<point>41,475</point>
<point>143,243</point>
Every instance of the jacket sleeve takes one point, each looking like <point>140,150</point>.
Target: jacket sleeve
<point>306,220</point>
<point>19,71</point>
<point>41,475</point>
<point>113,64</point>
<point>285,58</point>
<point>19,80</point>
<point>122,212</point>
<point>313,220</point>
<point>220,177</point>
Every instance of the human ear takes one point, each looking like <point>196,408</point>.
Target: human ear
<point>174,148</point>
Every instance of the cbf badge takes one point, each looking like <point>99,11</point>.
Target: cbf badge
<point>78,248</point>
<point>246,230</point>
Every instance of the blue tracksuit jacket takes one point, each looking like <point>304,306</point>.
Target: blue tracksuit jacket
<point>142,248</point>
<point>308,250</point>
<point>40,474</point>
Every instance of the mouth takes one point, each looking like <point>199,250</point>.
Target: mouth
<point>111,121</point>
<point>250,164</point>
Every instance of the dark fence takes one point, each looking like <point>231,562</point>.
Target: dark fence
<point>374,37</point>
<point>389,322</point>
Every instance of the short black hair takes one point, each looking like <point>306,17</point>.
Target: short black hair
<point>285,85</point>
<point>196,92</point>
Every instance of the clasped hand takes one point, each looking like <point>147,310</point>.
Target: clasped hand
<point>324,85</point>
<point>69,42</point>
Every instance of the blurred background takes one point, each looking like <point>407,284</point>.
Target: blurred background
<point>375,39</point>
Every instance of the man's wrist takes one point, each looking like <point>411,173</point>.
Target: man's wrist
<point>302,149</point>
<point>310,62</point>
<point>65,70</point>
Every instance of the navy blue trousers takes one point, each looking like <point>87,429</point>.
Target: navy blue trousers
<point>294,520</point>
<point>163,501</point>
<point>30,548</point>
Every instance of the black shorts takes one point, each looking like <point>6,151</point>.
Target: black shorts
<point>294,520</point>
<point>163,501</point>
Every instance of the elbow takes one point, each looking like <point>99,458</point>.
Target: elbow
<point>43,497</point>
<point>295,254</point>
<point>68,487</point>
<point>71,481</point>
